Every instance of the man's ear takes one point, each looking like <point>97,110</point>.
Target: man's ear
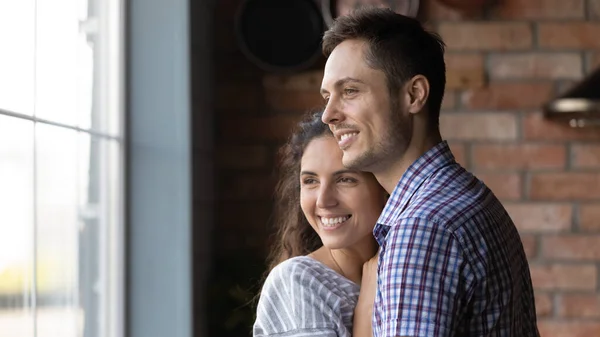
<point>417,90</point>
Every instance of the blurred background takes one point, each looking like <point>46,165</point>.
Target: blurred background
<point>138,142</point>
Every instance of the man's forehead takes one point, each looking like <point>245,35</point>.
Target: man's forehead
<point>346,61</point>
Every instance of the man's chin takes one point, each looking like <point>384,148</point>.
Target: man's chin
<point>352,161</point>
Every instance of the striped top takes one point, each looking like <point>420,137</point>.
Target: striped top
<point>451,262</point>
<point>303,297</point>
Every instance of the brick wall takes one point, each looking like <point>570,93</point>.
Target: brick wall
<point>503,64</point>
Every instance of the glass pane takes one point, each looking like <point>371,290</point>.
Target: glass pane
<point>16,227</point>
<point>57,232</point>
<point>17,56</point>
<point>64,64</point>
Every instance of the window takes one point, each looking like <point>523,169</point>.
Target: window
<point>61,168</point>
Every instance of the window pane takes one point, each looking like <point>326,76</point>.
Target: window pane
<point>16,227</point>
<point>17,56</point>
<point>57,195</point>
<point>64,64</point>
<point>77,218</point>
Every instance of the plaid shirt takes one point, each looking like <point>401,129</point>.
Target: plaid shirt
<point>451,262</point>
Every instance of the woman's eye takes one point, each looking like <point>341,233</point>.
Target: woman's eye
<point>308,181</point>
<point>347,180</point>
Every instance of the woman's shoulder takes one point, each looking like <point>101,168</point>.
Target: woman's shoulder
<point>298,264</point>
<point>301,296</point>
<point>304,273</point>
<point>295,270</point>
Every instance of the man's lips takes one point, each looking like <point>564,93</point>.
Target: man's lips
<point>346,137</point>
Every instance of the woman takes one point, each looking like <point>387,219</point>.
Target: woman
<point>326,215</point>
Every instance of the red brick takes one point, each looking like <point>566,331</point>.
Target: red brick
<point>519,156</point>
<point>571,247</point>
<point>536,127</point>
<point>541,9</point>
<point>290,100</point>
<point>568,186</point>
<point>459,151</point>
<point>486,35</point>
<point>464,71</point>
<point>246,186</point>
<point>575,35</point>
<point>589,217</point>
<point>564,276</point>
<point>594,8</point>
<point>449,101</point>
<point>553,328</point>
<point>506,186</point>
<point>529,245</point>
<point>508,96</point>
<point>536,66</point>
<point>579,305</point>
<point>308,80</point>
<point>436,10</point>
<point>478,126</point>
<point>242,156</point>
<point>543,305</point>
<point>264,128</point>
<point>586,155</point>
<point>538,217</point>
<point>238,96</point>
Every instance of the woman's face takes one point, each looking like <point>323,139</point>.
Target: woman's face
<point>341,205</point>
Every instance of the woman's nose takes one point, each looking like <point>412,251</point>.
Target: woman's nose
<point>327,197</point>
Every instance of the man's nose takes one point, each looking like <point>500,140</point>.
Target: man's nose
<point>331,114</point>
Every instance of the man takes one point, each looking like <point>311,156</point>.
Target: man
<point>451,262</point>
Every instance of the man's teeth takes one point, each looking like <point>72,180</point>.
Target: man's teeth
<point>348,135</point>
<point>330,222</point>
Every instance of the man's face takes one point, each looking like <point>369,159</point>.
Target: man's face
<point>371,127</point>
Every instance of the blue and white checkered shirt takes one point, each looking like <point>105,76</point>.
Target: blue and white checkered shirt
<point>451,262</point>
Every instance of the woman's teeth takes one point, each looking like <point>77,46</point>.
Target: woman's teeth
<point>331,222</point>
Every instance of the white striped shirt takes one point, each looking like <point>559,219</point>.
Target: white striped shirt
<point>303,297</point>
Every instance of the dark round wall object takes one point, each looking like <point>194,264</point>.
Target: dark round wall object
<point>280,35</point>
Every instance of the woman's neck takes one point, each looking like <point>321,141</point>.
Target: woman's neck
<point>348,262</point>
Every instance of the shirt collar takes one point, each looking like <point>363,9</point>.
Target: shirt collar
<point>426,165</point>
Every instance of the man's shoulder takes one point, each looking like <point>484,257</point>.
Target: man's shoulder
<point>452,195</point>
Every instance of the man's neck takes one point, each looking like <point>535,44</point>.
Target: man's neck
<point>392,173</point>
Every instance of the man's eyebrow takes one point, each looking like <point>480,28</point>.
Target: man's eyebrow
<point>341,82</point>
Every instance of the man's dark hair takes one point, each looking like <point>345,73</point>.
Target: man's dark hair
<point>397,45</point>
